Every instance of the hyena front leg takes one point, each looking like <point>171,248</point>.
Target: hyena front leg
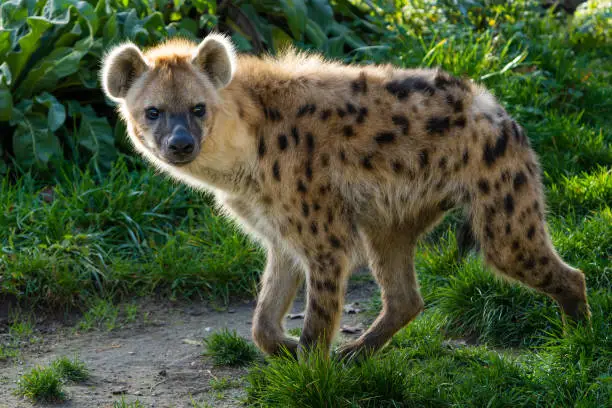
<point>327,278</point>
<point>279,284</point>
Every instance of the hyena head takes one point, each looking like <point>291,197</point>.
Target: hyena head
<point>168,95</point>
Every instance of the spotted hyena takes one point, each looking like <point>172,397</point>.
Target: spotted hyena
<point>332,166</point>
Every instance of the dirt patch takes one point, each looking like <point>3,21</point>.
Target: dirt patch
<point>157,360</point>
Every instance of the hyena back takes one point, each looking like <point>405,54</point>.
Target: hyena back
<point>332,166</point>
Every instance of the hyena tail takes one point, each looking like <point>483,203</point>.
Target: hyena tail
<point>506,211</point>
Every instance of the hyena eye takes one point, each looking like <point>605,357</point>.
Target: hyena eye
<point>152,113</point>
<point>199,110</point>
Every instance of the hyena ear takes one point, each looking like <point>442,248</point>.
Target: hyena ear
<point>215,56</point>
<point>122,66</point>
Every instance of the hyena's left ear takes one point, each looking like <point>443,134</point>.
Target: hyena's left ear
<point>215,56</point>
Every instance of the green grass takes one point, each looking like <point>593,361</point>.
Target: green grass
<point>131,233</point>
<point>70,370</point>
<point>227,348</point>
<point>45,384</point>
<point>41,384</point>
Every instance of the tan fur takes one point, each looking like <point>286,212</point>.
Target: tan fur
<point>330,166</point>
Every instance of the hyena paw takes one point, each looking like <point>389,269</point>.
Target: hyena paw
<point>353,352</point>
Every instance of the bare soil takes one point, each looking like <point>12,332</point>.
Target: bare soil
<point>157,359</point>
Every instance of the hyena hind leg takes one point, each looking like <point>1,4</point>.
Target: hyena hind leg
<point>509,223</point>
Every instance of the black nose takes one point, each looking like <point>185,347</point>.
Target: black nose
<point>181,143</point>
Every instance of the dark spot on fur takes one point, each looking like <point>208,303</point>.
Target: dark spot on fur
<point>403,123</point>
<point>366,162</point>
<point>325,114</point>
<point>307,109</point>
<point>519,180</point>
<point>282,142</point>
<point>305,209</point>
<point>261,149</point>
<point>466,157</point>
<point>546,281</point>
<point>315,206</point>
<point>330,286</point>
<point>273,114</point>
<point>350,108</point>
<point>324,159</point>
<point>509,203</point>
<point>276,171</point>
<point>402,88</point>
<point>444,80</point>
<point>544,260</point>
<point>334,241</point>
<point>299,227</point>
<point>361,115</point>
<point>489,232</point>
<point>330,216</point>
<point>424,158</point>
<point>319,311</point>
<point>529,263</point>
<point>295,135</point>
<point>310,142</point>
<point>342,155</point>
<point>348,131</point>
<point>360,85</point>
<point>492,153</point>
<point>302,187</point>
<point>483,186</point>
<point>397,166</point>
<point>340,112</point>
<point>443,163</point>
<point>384,138</point>
<point>460,122</point>
<point>531,232</point>
<point>313,228</point>
<point>309,169</point>
<point>515,245</point>
<point>508,229</point>
<point>438,125</point>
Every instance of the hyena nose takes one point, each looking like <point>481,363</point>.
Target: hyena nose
<point>181,142</point>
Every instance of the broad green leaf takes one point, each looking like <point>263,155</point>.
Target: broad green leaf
<point>315,34</point>
<point>296,14</point>
<point>6,103</point>
<point>96,136</point>
<point>5,43</point>
<point>61,63</point>
<point>33,142</point>
<point>110,31</point>
<point>56,114</point>
<point>13,14</point>
<point>320,12</point>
